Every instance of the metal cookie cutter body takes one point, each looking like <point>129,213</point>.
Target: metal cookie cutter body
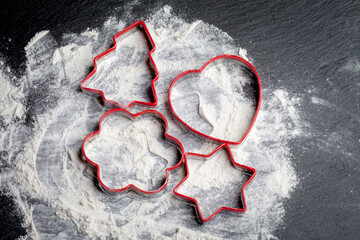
<point>111,103</point>
<point>247,169</point>
<point>198,71</point>
<point>129,187</point>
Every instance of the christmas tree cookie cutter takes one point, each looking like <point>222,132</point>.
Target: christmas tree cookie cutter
<point>122,34</point>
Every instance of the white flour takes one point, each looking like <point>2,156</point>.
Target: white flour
<point>53,185</point>
<point>11,106</point>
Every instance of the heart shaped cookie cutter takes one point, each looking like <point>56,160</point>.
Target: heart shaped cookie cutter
<point>252,71</point>
<point>111,103</point>
<point>175,142</point>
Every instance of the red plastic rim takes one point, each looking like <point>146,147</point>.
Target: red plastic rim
<point>96,91</point>
<point>246,168</point>
<point>133,116</point>
<point>198,71</point>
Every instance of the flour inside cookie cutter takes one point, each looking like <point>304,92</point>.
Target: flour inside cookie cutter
<point>206,171</point>
<point>126,73</point>
<point>133,151</point>
<point>220,101</point>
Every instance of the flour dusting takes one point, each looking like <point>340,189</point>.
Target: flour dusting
<point>44,119</point>
<point>11,98</point>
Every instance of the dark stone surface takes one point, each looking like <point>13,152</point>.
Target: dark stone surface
<point>10,220</point>
<point>303,46</point>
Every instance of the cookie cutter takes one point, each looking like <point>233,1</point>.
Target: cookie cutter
<point>110,103</point>
<point>167,137</point>
<point>247,169</point>
<point>252,71</point>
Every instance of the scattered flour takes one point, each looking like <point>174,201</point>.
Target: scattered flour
<point>11,97</point>
<point>352,66</point>
<point>58,191</point>
<point>323,102</point>
<point>38,36</point>
<point>243,54</point>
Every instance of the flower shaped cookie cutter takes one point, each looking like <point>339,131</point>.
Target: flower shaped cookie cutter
<point>123,34</point>
<point>247,169</point>
<point>172,140</point>
<point>251,70</point>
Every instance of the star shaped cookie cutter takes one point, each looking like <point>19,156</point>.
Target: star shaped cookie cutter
<point>131,116</point>
<point>247,169</point>
<point>111,103</point>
